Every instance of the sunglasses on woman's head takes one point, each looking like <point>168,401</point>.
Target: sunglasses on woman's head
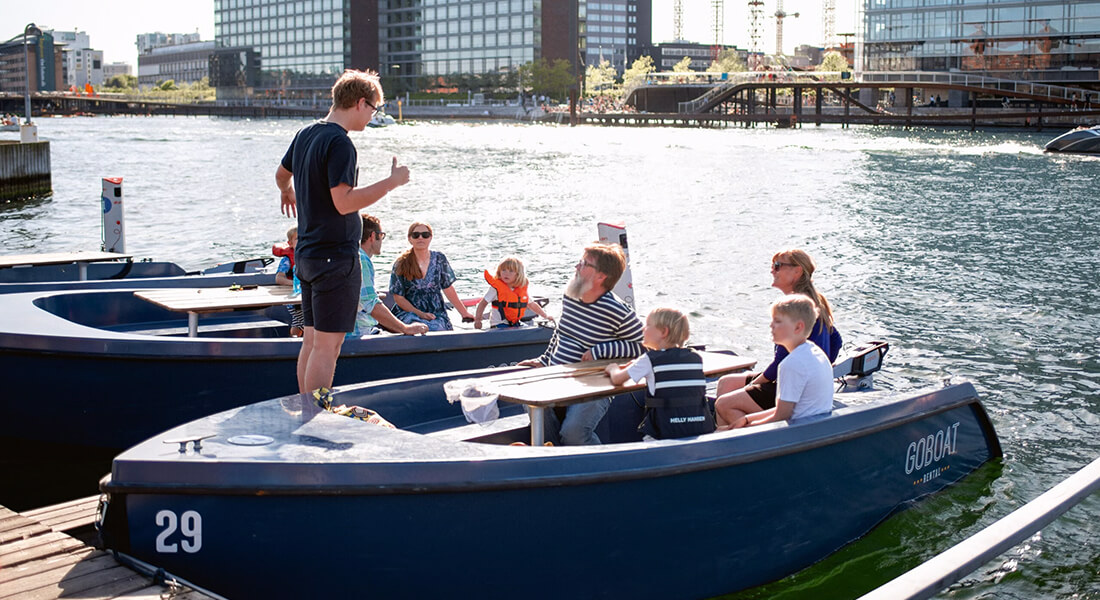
<point>420,234</point>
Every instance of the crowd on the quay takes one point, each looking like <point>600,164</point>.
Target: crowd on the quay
<point>328,257</point>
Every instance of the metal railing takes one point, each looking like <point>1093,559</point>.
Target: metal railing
<point>1057,92</point>
<point>940,572</point>
<point>726,81</point>
<point>718,83</point>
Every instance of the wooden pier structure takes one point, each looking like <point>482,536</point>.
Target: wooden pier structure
<point>46,553</point>
<point>793,99</point>
<point>24,169</point>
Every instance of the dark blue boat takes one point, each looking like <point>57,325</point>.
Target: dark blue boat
<point>281,499</point>
<point>105,370</point>
<point>129,274</point>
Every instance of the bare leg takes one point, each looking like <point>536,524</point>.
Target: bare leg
<point>733,382</point>
<point>303,359</point>
<point>321,363</point>
<point>731,408</point>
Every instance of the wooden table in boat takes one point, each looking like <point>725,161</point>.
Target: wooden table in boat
<point>542,388</point>
<point>81,259</point>
<point>195,301</point>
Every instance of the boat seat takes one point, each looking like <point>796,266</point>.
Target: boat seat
<point>504,430</point>
<point>212,328</point>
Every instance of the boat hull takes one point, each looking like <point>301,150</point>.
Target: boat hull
<point>689,518</point>
<point>1080,141</point>
<point>118,275</point>
<point>88,376</point>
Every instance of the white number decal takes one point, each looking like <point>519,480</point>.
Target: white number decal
<point>190,526</point>
<point>166,519</point>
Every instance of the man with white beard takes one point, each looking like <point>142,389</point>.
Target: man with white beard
<point>595,324</point>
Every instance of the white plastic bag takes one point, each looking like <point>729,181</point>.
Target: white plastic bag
<point>479,406</point>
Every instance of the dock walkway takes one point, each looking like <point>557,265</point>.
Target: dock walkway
<point>46,553</point>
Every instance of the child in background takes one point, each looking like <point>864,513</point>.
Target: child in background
<point>676,402</point>
<point>805,381</point>
<point>284,275</point>
<point>508,296</point>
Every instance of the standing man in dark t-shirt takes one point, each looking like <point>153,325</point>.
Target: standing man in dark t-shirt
<point>317,178</point>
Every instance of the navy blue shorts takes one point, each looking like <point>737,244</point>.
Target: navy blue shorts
<point>330,292</point>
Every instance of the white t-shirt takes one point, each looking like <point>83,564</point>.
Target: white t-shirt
<point>806,378</point>
<point>643,369</point>
<point>494,313</point>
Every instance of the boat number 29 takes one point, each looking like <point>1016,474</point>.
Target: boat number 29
<point>189,527</point>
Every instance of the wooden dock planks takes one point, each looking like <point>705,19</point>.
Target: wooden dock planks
<point>40,560</point>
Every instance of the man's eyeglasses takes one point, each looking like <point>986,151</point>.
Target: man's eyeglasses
<point>381,235</point>
<point>585,264</point>
<point>373,107</point>
<point>779,265</point>
<point>420,234</point>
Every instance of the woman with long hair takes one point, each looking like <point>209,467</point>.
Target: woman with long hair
<point>419,279</point>
<point>792,273</point>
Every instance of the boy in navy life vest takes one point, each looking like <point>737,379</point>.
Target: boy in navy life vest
<point>676,403</point>
<point>508,296</point>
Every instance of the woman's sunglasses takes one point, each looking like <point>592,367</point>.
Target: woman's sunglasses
<point>420,234</point>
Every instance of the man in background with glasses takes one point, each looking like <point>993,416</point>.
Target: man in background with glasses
<point>595,324</point>
<point>318,182</point>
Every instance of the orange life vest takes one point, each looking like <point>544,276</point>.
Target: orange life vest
<point>511,303</point>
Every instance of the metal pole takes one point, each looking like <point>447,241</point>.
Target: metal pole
<point>27,61</point>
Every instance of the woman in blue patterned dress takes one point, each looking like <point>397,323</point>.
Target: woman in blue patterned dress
<point>418,281</point>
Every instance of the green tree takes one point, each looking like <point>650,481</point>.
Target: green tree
<point>684,66</point>
<point>120,83</point>
<point>544,77</point>
<point>167,85</point>
<point>728,61</point>
<point>834,61</point>
<point>636,74</point>
<point>600,80</point>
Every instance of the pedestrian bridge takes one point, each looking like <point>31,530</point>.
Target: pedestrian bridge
<point>710,92</point>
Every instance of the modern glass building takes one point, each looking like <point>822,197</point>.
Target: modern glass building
<point>617,31</point>
<point>304,44</point>
<point>1043,40</point>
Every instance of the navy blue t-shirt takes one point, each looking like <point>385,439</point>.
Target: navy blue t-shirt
<point>322,157</point>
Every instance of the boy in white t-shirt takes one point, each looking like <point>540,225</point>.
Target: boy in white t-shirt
<point>805,381</point>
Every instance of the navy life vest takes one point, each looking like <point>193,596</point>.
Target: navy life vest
<point>678,407</point>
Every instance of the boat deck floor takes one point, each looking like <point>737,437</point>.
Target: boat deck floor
<point>46,553</point>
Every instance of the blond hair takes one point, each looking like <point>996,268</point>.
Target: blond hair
<point>609,260</point>
<point>673,321</point>
<point>292,232</point>
<point>406,265</point>
<point>799,307</point>
<point>353,85</point>
<point>805,284</point>
<point>516,266</point>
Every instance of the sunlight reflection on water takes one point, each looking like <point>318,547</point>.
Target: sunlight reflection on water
<point>974,254</point>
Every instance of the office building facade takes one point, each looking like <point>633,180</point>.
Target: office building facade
<point>303,45</point>
<point>1041,40</point>
<point>46,65</point>
<point>181,63</point>
<point>669,54</point>
<point>617,31</point>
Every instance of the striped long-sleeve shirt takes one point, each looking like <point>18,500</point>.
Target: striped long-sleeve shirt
<point>608,327</point>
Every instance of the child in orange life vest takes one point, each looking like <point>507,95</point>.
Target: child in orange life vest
<point>284,275</point>
<point>508,296</point>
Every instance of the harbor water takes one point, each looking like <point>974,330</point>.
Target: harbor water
<point>973,253</point>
